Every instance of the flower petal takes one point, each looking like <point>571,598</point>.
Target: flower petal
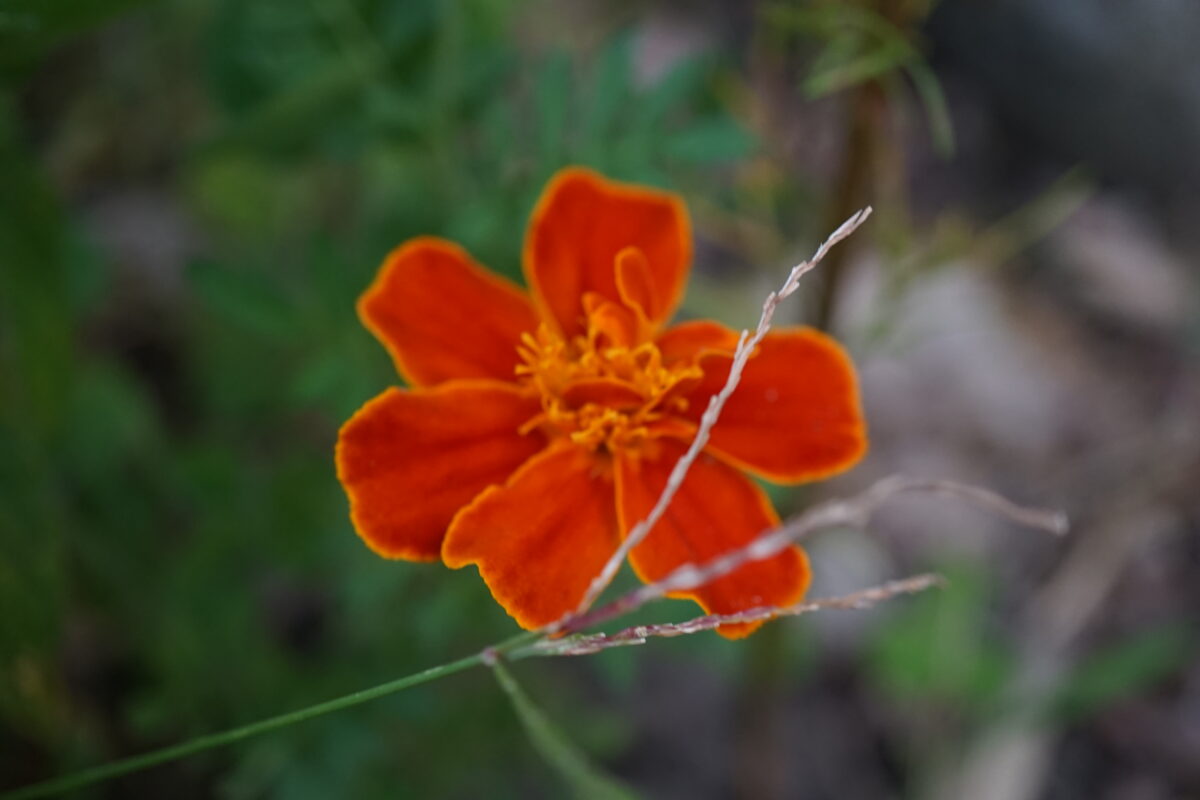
<point>795,416</point>
<point>539,539</point>
<point>608,392</point>
<point>688,340</point>
<point>610,324</point>
<point>443,316</point>
<point>716,510</point>
<point>632,274</point>
<point>409,460</point>
<point>580,225</point>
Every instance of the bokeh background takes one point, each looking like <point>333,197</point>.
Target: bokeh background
<point>194,192</point>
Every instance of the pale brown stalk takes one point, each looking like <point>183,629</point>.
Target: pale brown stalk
<point>747,343</point>
<point>854,511</point>
<point>639,634</point>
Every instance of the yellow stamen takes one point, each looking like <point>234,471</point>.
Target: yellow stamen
<point>591,363</point>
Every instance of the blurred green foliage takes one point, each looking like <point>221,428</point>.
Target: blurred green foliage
<point>1122,669</point>
<point>948,652</point>
<point>30,28</point>
<point>942,648</point>
<point>177,554</point>
<point>858,45</point>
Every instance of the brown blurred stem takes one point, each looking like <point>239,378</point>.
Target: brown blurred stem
<point>852,189</point>
<point>760,760</point>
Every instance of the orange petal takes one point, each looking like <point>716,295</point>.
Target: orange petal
<point>409,460</point>
<point>610,324</point>
<point>582,222</point>
<point>688,340</point>
<point>633,280</point>
<point>608,392</point>
<point>795,416</point>
<point>539,539</point>
<point>673,427</point>
<point>716,510</point>
<point>443,316</point>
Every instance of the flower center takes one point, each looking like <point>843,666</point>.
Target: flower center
<point>603,388</point>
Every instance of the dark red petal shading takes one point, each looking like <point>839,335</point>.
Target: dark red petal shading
<point>443,316</point>
<point>716,510</point>
<point>409,460</point>
<point>795,415</point>
<point>540,539</point>
<point>580,225</point>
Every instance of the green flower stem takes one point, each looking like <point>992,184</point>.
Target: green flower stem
<point>105,772</point>
<point>586,781</point>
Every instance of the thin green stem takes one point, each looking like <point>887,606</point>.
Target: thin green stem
<point>105,772</point>
<point>587,782</point>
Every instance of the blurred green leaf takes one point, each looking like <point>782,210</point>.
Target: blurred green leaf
<point>938,646</point>
<point>306,109</point>
<point>35,300</point>
<point>37,368</point>
<point>403,25</point>
<point>244,298</point>
<point>937,110</point>
<point>609,91</point>
<point>252,52</point>
<point>684,81</point>
<point>852,68</point>
<point>111,418</point>
<point>709,141</point>
<point>245,195</point>
<point>861,45</point>
<point>1122,670</point>
<point>30,28</point>
<point>553,100</point>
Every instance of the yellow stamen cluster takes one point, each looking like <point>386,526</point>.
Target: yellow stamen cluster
<point>597,391</point>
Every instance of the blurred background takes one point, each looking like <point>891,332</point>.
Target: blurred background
<point>193,193</point>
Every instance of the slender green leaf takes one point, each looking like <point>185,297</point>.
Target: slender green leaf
<point>711,140</point>
<point>609,89</point>
<point>684,81</point>
<point>937,111</point>
<point>553,98</point>
<point>861,68</point>
<point>1123,670</point>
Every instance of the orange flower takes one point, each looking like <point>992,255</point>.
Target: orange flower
<point>540,428</point>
